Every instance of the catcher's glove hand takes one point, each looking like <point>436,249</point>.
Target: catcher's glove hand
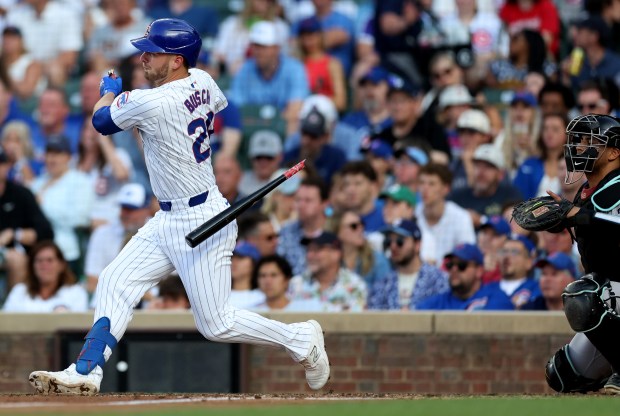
<point>542,213</point>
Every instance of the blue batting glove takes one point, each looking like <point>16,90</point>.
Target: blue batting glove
<point>109,84</point>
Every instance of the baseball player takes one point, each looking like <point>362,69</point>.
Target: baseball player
<point>592,359</point>
<point>174,119</point>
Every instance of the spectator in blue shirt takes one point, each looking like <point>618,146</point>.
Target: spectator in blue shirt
<point>593,36</point>
<point>413,280</point>
<point>465,269</point>
<point>269,77</point>
<point>516,261</point>
<point>558,270</point>
<point>204,18</point>
<point>359,188</point>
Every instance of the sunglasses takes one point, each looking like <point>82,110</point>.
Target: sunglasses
<point>460,264</point>
<point>399,241</point>
<point>442,72</point>
<point>589,106</point>
<point>355,226</point>
<point>270,158</point>
<point>271,237</point>
<point>466,131</point>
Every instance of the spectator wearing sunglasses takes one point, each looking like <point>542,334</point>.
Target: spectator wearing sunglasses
<point>257,229</point>
<point>413,280</point>
<point>465,268</point>
<point>516,262</point>
<point>325,279</point>
<point>358,254</point>
<point>265,153</point>
<point>592,98</point>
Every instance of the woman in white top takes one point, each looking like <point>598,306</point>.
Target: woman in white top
<point>25,73</point>
<point>50,285</point>
<point>108,167</point>
<point>232,41</point>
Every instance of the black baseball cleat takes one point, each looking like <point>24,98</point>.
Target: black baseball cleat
<point>612,386</point>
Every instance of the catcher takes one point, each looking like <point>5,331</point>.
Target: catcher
<point>592,359</point>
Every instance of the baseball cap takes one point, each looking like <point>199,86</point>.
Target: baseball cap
<point>245,249</point>
<point>289,186</point>
<point>474,120</point>
<point>264,33</point>
<point>559,261</point>
<point>324,239</point>
<point>596,24</point>
<point>491,154</point>
<point>497,223</point>
<point>12,30</point>
<point>310,25</point>
<point>416,154</point>
<point>313,124</point>
<point>467,252</point>
<point>378,148</point>
<point>524,97</point>
<point>58,144</point>
<point>133,196</point>
<point>264,143</point>
<point>399,193</point>
<point>375,75</point>
<point>398,84</point>
<point>527,243</point>
<point>406,228</point>
<point>455,95</point>
<point>321,103</point>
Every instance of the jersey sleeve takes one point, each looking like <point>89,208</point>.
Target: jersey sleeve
<point>135,108</point>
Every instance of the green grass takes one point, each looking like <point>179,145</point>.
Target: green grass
<point>440,406</point>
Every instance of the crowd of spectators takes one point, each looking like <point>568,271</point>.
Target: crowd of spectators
<point>422,123</point>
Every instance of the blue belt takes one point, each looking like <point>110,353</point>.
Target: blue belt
<point>193,201</point>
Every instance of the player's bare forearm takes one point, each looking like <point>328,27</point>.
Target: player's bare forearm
<point>104,101</point>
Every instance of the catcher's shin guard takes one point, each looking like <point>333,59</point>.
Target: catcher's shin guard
<point>590,307</point>
<point>562,377</point>
<point>92,353</point>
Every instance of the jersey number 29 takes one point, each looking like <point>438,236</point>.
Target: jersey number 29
<point>201,126</point>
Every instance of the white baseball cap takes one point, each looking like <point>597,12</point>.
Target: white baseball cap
<point>264,33</point>
<point>265,143</point>
<point>133,196</point>
<point>455,95</point>
<point>322,104</point>
<point>490,153</point>
<point>474,120</point>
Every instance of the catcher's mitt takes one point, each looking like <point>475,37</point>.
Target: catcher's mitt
<point>541,213</point>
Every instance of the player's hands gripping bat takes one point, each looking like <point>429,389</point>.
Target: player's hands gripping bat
<point>110,83</point>
<point>222,219</point>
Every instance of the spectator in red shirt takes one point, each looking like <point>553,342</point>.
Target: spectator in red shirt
<point>537,15</point>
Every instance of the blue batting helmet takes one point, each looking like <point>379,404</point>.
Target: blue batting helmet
<point>173,36</point>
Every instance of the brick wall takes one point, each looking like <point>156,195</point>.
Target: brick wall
<point>433,364</point>
<point>378,353</point>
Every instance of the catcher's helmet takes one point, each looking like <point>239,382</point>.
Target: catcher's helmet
<point>173,36</point>
<point>587,138</point>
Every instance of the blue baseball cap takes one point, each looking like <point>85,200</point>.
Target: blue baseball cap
<point>416,154</point>
<point>467,252</point>
<point>378,148</point>
<point>527,243</point>
<point>524,97</point>
<point>375,75</point>
<point>58,143</point>
<point>245,249</point>
<point>497,223</point>
<point>324,239</point>
<point>559,261</point>
<point>310,25</point>
<point>406,228</point>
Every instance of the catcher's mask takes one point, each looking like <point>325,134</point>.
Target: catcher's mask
<point>587,138</point>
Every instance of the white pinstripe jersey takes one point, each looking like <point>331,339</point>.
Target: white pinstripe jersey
<point>174,121</point>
